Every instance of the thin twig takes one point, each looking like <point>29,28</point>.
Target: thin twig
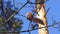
<point>47,11</point>
<point>21,15</point>
<point>29,27</point>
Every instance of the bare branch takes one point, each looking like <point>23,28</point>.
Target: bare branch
<point>47,11</point>
<point>21,15</point>
<point>22,7</point>
<point>29,27</point>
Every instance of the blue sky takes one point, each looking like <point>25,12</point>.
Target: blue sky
<point>54,11</point>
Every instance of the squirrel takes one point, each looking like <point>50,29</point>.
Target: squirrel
<point>30,17</point>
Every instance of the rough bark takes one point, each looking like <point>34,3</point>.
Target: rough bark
<point>41,11</point>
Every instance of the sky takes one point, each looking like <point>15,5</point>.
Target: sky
<point>54,11</point>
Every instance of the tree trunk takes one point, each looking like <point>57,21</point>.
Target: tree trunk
<point>41,11</point>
